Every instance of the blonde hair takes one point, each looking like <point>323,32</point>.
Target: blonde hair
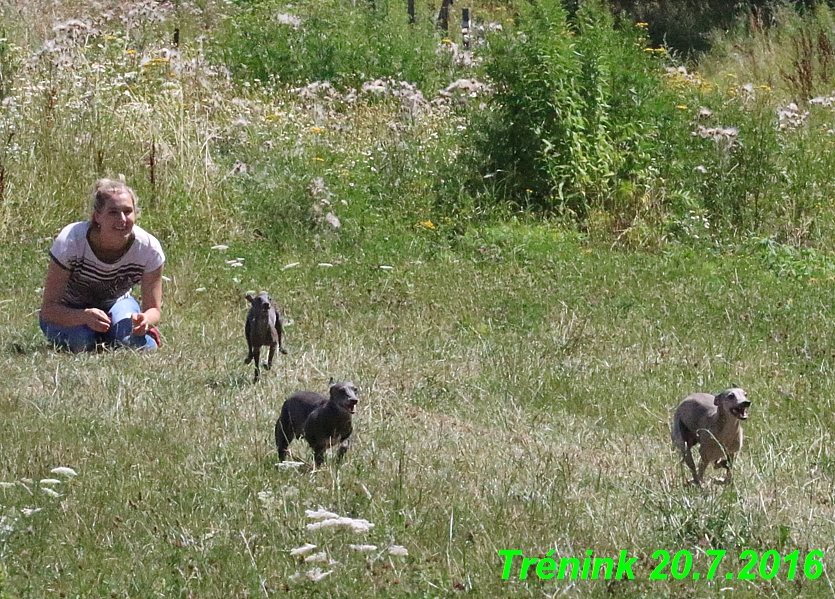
<point>105,189</point>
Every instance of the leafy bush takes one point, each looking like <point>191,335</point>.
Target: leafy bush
<point>328,40</point>
<point>577,110</point>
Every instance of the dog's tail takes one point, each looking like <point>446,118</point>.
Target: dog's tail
<point>679,432</point>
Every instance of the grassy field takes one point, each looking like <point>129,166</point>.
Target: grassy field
<point>517,370</point>
<point>516,391</point>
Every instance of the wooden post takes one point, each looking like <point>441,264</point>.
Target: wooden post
<point>465,28</point>
<point>443,15</point>
<point>411,8</point>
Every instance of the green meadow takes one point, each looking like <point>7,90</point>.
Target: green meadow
<point>525,280</point>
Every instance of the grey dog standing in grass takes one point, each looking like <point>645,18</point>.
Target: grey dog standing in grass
<point>322,421</point>
<point>713,423</point>
<point>263,327</point>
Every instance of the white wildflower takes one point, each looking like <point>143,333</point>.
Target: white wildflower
<point>790,117</point>
<point>325,264</point>
<point>7,485</point>
<point>386,267</point>
<point>220,247</point>
<point>825,101</point>
<point>64,471</point>
<point>27,511</point>
<point>239,168</point>
<point>287,19</point>
<point>332,220</point>
<point>376,87</point>
<point>320,514</point>
<point>321,558</point>
<point>355,524</point>
<point>289,464</point>
<point>466,87</point>
<point>363,548</point>
<point>398,551</point>
<point>291,265</point>
<point>700,169</point>
<point>50,481</point>
<point>51,492</point>
<point>314,575</point>
<point>303,550</point>
<point>720,135</point>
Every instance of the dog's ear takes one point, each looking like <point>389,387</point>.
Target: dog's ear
<point>331,382</point>
<point>249,298</point>
<point>723,396</point>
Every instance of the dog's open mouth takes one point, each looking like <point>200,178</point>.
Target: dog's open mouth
<point>740,410</point>
<point>352,407</point>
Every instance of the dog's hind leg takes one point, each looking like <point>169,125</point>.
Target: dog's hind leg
<point>282,440</point>
<point>679,436</point>
<point>688,459</point>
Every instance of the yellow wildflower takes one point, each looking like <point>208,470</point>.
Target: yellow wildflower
<point>130,51</point>
<point>317,159</point>
<point>642,25</point>
<point>681,106</point>
<point>316,130</point>
<point>428,224</point>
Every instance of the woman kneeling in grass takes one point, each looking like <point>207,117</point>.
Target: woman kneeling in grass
<point>94,266</point>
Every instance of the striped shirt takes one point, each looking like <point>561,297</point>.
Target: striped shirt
<point>97,284</point>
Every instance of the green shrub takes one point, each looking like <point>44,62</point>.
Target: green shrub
<point>344,43</point>
<point>575,118</point>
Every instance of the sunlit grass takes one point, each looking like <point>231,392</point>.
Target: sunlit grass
<point>515,394</point>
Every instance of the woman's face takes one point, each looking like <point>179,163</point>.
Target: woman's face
<point>116,219</point>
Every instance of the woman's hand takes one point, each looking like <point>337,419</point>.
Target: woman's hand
<point>141,324</point>
<point>97,320</point>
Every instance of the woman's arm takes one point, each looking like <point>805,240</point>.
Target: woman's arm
<point>52,310</point>
<point>151,302</point>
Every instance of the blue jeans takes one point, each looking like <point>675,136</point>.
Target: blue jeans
<point>83,338</point>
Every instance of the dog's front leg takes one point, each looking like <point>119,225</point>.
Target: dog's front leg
<point>343,448</point>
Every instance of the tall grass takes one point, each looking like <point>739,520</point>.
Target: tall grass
<point>330,41</point>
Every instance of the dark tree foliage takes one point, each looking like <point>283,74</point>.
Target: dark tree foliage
<point>684,25</point>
